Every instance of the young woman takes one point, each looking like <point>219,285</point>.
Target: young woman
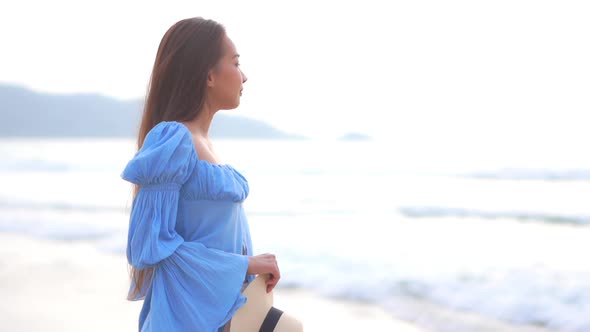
<point>189,243</point>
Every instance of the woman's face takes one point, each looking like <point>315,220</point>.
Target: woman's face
<point>226,79</point>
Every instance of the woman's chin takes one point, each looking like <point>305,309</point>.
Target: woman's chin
<point>231,107</point>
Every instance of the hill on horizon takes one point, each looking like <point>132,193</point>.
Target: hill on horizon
<point>26,113</point>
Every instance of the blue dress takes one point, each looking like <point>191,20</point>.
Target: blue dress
<point>188,224</point>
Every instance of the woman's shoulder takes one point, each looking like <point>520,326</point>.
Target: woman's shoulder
<point>167,155</point>
<point>168,134</point>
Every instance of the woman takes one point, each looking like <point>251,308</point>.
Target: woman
<point>189,243</point>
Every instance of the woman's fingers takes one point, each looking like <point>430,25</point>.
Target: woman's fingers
<point>273,267</point>
<point>272,280</point>
<point>265,264</point>
<point>270,284</point>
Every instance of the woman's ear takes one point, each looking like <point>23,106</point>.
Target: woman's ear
<point>211,79</point>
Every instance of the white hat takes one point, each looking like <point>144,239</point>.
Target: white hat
<point>259,315</point>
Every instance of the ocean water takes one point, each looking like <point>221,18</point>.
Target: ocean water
<point>502,235</point>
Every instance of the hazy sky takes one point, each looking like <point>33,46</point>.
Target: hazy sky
<point>486,74</point>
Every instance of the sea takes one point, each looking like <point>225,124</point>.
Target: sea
<point>430,235</point>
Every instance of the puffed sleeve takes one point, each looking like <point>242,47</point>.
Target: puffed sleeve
<point>192,287</point>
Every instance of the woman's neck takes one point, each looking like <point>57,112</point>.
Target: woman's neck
<point>202,123</point>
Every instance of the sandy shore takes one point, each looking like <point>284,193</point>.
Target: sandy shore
<point>70,286</point>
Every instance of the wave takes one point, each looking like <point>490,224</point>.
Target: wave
<point>532,174</point>
<point>34,165</point>
<point>363,262</point>
<point>71,224</point>
<point>40,165</point>
<point>57,206</point>
<point>508,296</point>
<point>525,216</point>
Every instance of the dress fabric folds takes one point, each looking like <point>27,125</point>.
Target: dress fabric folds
<point>188,229</point>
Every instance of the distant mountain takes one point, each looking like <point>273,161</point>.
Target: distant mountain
<point>25,113</point>
<point>354,137</point>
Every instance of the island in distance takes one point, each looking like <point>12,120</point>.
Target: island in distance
<point>26,113</point>
<point>355,137</point>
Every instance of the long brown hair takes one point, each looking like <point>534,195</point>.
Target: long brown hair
<point>178,85</point>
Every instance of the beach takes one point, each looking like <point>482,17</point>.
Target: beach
<point>49,285</point>
<point>392,250</point>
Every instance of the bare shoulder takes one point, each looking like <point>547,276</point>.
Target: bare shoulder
<point>203,147</point>
<point>205,150</point>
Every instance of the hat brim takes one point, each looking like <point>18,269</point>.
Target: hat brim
<point>259,315</point>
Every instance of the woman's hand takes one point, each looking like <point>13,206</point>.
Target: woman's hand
<point>265,264</point>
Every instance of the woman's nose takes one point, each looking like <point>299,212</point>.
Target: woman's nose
<point>244,77</point>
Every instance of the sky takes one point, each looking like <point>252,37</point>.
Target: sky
<point>473,74</point>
